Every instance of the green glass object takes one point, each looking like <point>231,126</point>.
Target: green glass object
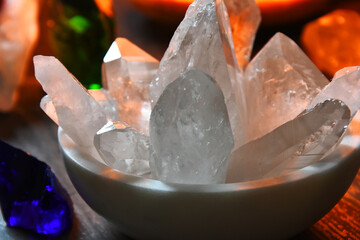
<point>80,35</point>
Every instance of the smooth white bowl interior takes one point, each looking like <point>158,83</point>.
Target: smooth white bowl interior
<point>275,208</point>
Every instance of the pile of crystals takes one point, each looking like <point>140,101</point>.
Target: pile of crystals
<point>204,114</point>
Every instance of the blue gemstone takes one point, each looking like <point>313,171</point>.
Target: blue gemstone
<point>30,195</point>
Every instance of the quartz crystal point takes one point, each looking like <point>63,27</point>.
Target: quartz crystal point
<point>197,43</point>
<point>280,83</point>
<point>123,148</point>
<point>48,107</point>
<point>345,86</point>
<point>244,21</point>
<point>296,144</point>
<point>333,41</point>
<point>190,132</point>
<point>78,113</point>
<point>30,195</point>
<point>107,102</point>
<point>18,35</point>
<point>127,73</point>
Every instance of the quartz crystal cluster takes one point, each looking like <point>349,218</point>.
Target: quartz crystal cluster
<point>205,113</point>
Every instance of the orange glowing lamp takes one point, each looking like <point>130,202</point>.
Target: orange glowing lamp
<point>273,11</point>
<point>285,11</point>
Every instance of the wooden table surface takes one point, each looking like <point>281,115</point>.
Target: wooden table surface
<point>28,128</point>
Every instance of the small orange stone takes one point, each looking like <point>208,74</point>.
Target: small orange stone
<point>333,41</point>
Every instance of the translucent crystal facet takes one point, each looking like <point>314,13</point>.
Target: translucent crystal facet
<point>127,73</point>
<point>296,144</point>
<point>123,148</point>
<point>197,43</point>
<point>244,19</point>
<point>48,107</point>
<point>280,82</point>
<point>344,86</point>
<point>107,102</point>
<point>190,132</point>
<point>18,34</point>
<point>333,40</point>
<point>78,113</point>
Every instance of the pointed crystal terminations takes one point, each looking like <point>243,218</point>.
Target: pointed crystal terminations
<point>48,107</point>
<point>345,86</point>
<point>283,82</point>
<point>197,43</point>
<point>244,19</point>
<point>78,113</point>
<point>16,46</point>
<point>123,148</point>
<point>190,132</point>
<point>296,144</point>
<point>30,195</point>
<point>127,73</point>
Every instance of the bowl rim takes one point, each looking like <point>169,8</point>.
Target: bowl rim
<point>343,152</point>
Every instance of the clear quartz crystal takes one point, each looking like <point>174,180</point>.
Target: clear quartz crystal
<point>127,73</point>
<point>19,31</point>
<point>296,144</point>
<point>101,96</point>
<point>79,115</point>
<point>280,82</point>
<point>123,148</point>
<point>197,43</point>
<point>190,132</point>
<point>107,102</point>
<point>48,107</point>
<point>344,86</point>
<point>244,17</point>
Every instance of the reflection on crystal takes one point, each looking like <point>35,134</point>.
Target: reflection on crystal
<point>333,41</point>
<point>107,102</point>
<point>123,148</point>
<point>48,107</point>
<point>345,86</point>
<point>71,100</point>
<point>296,144</point>
<point>127,73</point>
<point>244,19</point>
<point>18,34</point>
<point>190,132</point>
<point>197,43</point>
<point>283,82</point>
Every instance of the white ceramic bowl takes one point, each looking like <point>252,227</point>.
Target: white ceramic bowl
<point>276,208</point>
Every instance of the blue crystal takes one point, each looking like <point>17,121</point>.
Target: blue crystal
<point>30,195</point>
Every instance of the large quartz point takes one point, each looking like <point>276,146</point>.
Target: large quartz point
<point>244,21</point>
<point>344,86</point>
<point>296,144</point>
<point>123,148</point>
<point>197,43</point>
<point>280,83</point>
<point>78,113</point>
<point>190,132</point>
<point>19,31</point>
<point>127,73</point>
